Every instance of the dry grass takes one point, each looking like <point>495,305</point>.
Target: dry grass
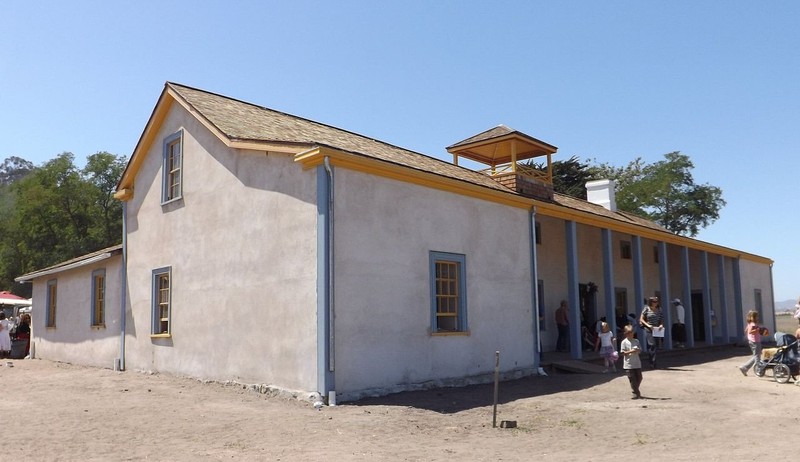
<point>786,324</point>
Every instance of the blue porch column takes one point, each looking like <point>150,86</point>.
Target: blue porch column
<point>686,296</point>
<point>638,278</point>
<point>707,304</point>
<point>663,278</point>
<point>737,299</point>
<point>721,312</point>
<point>608,280</point>
<point>571,230</point>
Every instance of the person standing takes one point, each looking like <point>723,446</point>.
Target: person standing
<point>797,311</point>
<point>562,324</point>
<point>753,331</point>
<point>631,362</point>
<point>679,328</point>
<point>652,320</point>
<point>5,336</point>
<point>23,332</point>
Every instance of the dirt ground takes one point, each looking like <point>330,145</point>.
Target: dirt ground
<point>698,407</point>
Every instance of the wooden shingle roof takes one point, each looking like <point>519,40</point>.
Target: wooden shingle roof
<point>596,209</point>
<point>248,126</point>
<point>243,121</point>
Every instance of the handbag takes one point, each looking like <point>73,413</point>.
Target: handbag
<point>615,355</point>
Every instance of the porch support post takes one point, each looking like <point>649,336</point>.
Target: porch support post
<point>721,311</point>
<point>686,297</point>
<point>707,307</point>
<point>608,280</point>
<point>638,278</point>
<point>737,299</point>
<point>663,278</point>
<point>572,289</point>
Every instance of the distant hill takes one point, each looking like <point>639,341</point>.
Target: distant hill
<point>786,305</point>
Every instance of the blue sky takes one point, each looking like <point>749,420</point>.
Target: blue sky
<point>611,80</point>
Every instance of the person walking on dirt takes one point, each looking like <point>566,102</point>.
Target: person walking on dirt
<point>652,320</point>
<point>754,332</point>
<point>631,362</point>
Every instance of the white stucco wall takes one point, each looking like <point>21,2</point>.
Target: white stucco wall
<point>757,278</point>
<point>384,233</point>
<point>552,269</point>
<point>241,245</point>
<point>74,339</point>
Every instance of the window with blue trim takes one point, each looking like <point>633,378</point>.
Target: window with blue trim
<point>52,298</point>
<point>98,297</point>
<point>172,168</point>
<point>448,292</point>
<point>162,302</point>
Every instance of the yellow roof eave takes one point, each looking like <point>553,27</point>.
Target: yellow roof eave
<point>589,219</point>
<point>315,157</point>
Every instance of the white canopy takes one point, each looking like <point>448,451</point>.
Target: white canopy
<point>15,301</point>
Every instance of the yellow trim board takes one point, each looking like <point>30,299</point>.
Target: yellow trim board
<point>589,219</point>
<point>314,157</point>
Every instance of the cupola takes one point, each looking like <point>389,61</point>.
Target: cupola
<point>502,149</point>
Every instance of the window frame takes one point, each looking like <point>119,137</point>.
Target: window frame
<point>459,262</point>
<point>98,317</point>
<point>621,302</point>
<point>169,172</point>
<point>156,320</point>
<point>625,250</point>
<point>52,304</point>
<point>758,303</point>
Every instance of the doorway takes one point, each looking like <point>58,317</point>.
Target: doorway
<point>698,317</point>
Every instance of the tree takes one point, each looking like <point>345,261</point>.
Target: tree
<point>59,212</point>
<point>665,192</point>
<point>569,176</point>
<point>103,170</point>
<point>13,169</point>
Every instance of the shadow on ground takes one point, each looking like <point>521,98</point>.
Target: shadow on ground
<point>458,399</point>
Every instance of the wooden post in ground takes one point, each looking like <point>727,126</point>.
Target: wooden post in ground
<point>496,386</point>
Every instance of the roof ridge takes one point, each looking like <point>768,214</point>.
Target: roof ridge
<point>322,142</point>
<point>287,114</point>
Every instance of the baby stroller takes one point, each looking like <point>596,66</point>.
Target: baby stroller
<point>785,362</point>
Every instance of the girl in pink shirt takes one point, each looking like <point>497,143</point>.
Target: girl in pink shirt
<point>754,332</point>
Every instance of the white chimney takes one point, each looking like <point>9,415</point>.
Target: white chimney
<point>601,192</point>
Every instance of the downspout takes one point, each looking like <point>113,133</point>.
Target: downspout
<point>535,290</point>
<point>325,293</point>
<point>331,298</point>
<point>123,287</point>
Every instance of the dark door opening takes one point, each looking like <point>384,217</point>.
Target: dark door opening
<point>698,317</point>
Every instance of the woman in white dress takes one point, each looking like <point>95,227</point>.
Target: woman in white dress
<point>5,336</point>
